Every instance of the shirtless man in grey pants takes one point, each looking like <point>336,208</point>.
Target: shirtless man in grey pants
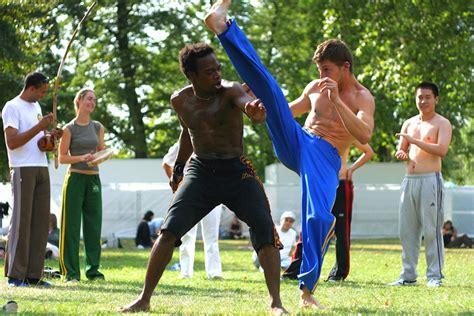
<point>424,141</point>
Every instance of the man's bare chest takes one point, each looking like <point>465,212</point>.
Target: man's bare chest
<point>322,106</point>
<point>424,131</point>
<point>212,114</point>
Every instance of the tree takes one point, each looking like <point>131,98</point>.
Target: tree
<point>130,58</point>
<point>396,45</point>
<point>402,44</point>
<point>128,53</point>
<point>22,50</point>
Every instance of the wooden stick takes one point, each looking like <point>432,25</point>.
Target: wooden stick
<point>58,77</point>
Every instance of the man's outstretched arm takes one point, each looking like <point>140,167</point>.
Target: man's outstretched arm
<point>440,148</point>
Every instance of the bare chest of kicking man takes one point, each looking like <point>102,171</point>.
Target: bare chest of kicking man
<point>420,161</point>
<point>323,119</point>
<point>215,126</point>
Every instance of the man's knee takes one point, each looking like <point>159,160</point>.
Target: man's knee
<point>167,238</point>
<point>429,235</point>
<point>267,249</point>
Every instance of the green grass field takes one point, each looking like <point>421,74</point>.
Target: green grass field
<point>242,291</point>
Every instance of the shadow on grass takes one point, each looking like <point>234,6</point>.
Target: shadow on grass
<point>95,294</point>
<point>376,250</point>
<point>351,311</point>
<point>122,259</point>
<point>358,284</point>
<point>383,285</point>
<point>163,289</point>
<point>375,241</point>
<point>385,311</point>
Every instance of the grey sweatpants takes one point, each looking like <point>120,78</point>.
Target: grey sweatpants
<point>422,214</point>
<point>29,225</point>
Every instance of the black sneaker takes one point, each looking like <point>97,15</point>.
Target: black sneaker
<point>99,277</point>
<point>335,279</point>
<point>12,282</point>
<point>38,282</point>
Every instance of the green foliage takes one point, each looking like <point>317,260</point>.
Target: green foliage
<point>396,45</point>
<point>22,49</point>
<point>243,292</point>
<point>128,51</point>
<point>460,158</point>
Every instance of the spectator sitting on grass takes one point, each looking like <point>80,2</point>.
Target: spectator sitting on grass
<point>143,237</point>
<point>287,237</point>
<point>451,239</point>
<point>235,231</point>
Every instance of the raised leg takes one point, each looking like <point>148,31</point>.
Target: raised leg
<point>215,19</point>
<point>284,131</point>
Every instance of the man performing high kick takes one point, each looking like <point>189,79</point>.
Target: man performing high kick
<point>340,111</point>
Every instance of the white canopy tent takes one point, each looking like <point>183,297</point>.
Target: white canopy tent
<point>130,187</point>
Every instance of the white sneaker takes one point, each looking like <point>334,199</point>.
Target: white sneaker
<point>401,282</point>
<point>72,282</point>
<point>434,283</point>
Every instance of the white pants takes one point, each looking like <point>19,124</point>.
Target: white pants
<point>210,235</point>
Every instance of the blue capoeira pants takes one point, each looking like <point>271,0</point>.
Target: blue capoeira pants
<point>313,158</point>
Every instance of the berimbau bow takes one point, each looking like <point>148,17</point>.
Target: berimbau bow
<point>58,76</point>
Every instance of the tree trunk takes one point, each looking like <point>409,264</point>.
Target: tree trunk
<point>138,142</point>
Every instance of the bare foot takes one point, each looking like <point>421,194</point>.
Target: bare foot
<point>136,306</point>
<point>307,300</point>
<point>216,18</point>
<point>278,311</point>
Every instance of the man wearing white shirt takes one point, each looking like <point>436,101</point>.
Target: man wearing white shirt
<point>209,229</point>
<point>288,237</point>
<point>23,126</point>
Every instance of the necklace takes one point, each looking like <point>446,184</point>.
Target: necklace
<point>204,99</point>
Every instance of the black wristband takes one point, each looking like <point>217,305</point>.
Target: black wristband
<point>178,168</point>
